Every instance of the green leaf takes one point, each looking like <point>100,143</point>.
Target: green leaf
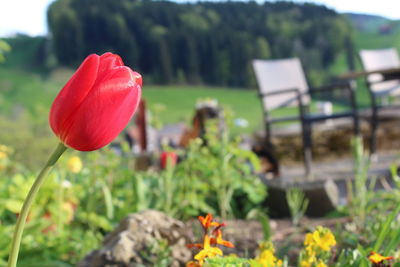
<point>13,205</point>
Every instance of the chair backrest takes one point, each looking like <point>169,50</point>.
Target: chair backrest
<point>378,59</point>
<point>280,74</point>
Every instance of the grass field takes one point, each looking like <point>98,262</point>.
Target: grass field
<point>180,102</point>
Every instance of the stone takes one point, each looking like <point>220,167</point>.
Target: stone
<point>136,242</point>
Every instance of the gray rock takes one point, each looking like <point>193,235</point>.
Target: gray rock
<point>137,241</point>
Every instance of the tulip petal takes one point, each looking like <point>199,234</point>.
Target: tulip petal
<point>73,93</point>
<point>108,61</point>
<point>105,111</point>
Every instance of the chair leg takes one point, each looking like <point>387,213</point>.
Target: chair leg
<point>269,151</point>
<point>374,127</point>
<point>307,146</point>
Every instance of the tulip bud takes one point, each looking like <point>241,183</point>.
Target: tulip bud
<point>168,158</point>
<point>96,103</point>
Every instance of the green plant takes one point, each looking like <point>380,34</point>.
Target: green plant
<point>297,203</point>
<point>360,193</point>
<point>229,261</point>
<point>157,255</point>
<point>217,177</point>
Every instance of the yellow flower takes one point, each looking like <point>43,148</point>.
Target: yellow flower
<point>321,238</point>
<point>5,149</point>
<point>207,251</point>
<point>309,240</point>
<point>324,238</point>
<point>321,264</point>
<point>305,263</point>
<point>3,155</point>
<point>74,164</point>
<point>308,260</point>
<point>267,257</point>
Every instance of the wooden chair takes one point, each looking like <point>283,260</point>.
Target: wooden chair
<point>282,83</point>
<point>382,85</point>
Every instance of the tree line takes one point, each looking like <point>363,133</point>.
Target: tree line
<point>197,43</point>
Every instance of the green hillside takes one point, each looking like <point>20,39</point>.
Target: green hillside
<point>367,23</point>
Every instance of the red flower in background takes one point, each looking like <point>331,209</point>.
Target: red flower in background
<point>96,103</point>
<point>166,157</point>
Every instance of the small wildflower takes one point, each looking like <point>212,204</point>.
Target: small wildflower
<point>267,257</point>
<point>219,241</point>
<point>305,263</point>
<point>378,259</point>
<point>321,264</point>
<point>207,251</point>
<point>324,238</point>
<point>212,237</point>
<point>192,264</point>
<point>321,238</point>
<point>317,244</point>
<point>207,222</point>
<point>74,164</point>
<point>66,184</point>
<point>308,261</point>
<point>5,149</point>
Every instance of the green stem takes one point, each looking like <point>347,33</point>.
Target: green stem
<point>19,228</point>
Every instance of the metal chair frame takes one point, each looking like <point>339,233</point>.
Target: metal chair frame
<point>306,118</point>
<point>374,95</point>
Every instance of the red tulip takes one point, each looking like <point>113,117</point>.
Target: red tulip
<point>96,103</point>
<point>168,158</point>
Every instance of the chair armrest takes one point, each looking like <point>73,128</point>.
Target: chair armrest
<point>347,85</point>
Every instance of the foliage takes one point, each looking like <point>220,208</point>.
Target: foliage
<point>30,139</point>
<point>218,177</point>
<point>374,226</point>
<point>4,48</point>
<point>318,251</point>
<point>359,199</point>
<point>297,203</point>
<point>85,198</point>
<point>205,42</point>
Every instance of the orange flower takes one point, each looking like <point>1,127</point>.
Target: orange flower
<point>219,241</point>
<point>376,258</point>
<point>192,264</point>
<point>196,245</point>
<point>207,222</point>
<point>211,238</point>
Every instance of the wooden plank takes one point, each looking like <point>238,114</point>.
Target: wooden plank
<point>358,74</point>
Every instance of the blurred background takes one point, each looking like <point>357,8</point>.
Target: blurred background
<point>190,54</point>
<point>184,50</point>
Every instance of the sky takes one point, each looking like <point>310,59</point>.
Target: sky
<point>29,16</point>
